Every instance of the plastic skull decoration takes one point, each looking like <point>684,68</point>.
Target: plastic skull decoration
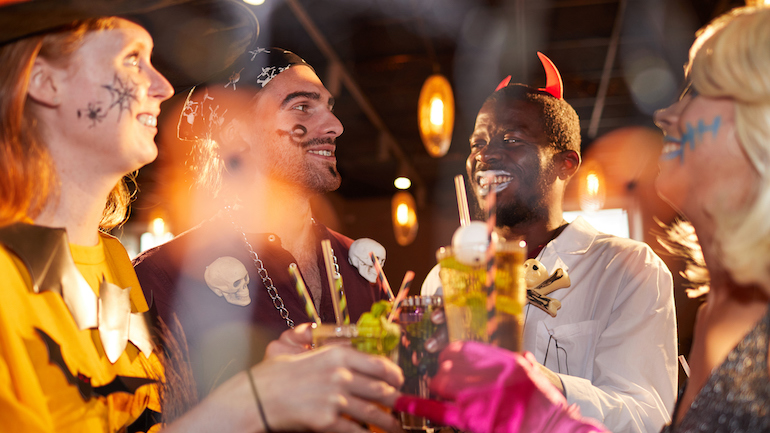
<point>534,273</point>
<point>540,284</point>
<point>358,256</point>
<point>470,243</point>
<point>228,277</point>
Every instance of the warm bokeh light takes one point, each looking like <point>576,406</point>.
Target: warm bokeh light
<point>157,234</point>
<point>254,2</point>
<point>592,183</point>
<point>402,182</point>
<point>437,111</point>
<point>404,216</point>
<point>436,115</point>
<point>158,227</point>
<point>592,188</point>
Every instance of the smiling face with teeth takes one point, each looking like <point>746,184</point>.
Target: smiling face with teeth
<point>702,164</point>
<point>290,131</point>
<point>510,143</point>
<point>109,97</point>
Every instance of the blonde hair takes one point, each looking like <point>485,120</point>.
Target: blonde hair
<point>27,172</point>
<point>731,58</point>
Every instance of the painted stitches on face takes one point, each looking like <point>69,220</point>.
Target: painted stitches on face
<point>691,137</point>
<point>123,93</point>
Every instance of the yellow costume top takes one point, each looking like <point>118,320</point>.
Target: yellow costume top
<point>39,339</point>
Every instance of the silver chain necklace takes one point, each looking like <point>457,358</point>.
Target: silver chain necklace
<point>262,272</point>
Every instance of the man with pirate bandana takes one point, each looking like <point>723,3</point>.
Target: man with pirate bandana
<point>265,145</point>
<point>611,346</point>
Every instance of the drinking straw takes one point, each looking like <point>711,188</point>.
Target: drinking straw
<point>685,365</point>
<point>491,211</point>
<point>490,256</point>
<point>462,200</point>
<point>343,299</point>
<point>381,275</point>
<point>403,292</point>
<point>339,301</point>
<point>299,284</point>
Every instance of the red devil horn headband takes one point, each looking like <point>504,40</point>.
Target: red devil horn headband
<point>553,83</point>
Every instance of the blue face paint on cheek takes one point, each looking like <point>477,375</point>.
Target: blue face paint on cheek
<point>693,136</point>
<point>672,155</point>
<point>703,128</point>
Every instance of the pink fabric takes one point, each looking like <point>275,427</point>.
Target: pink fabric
<point>488,389</point>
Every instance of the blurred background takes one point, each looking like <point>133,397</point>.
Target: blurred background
<point>620,60</point>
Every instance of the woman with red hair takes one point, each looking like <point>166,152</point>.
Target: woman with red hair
<point>79,102</point>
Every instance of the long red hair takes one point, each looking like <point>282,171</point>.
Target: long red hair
<point>27,177</point>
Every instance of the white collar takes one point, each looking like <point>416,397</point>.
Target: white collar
<point>46,254</point>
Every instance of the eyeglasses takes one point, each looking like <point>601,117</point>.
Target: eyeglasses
<point>687,90</point>
<point>560,351</point>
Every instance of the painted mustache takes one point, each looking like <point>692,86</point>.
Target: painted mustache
<point>316,141</point>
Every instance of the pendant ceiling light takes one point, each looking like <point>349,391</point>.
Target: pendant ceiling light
<point>592,189</point>
<point>404,215</point>
<point>436,115</point>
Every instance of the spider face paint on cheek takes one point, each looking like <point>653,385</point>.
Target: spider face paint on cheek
<point>122,97</point>
<point>94,112</point>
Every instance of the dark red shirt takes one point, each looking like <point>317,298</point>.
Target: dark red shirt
<point>224,338</point>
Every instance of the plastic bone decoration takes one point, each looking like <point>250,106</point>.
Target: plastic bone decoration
<point>358,256</point>
<point>540,284</point>
<point>228,277</point>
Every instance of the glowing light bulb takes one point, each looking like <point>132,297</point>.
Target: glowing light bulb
<point>592,183</point>
<point>436,115</point>
<point>436,111</point>
<point>402,214</point>
<point>254,2</point>
<point>402,182</point>
<point>158,226</point>
<point>592,189</point>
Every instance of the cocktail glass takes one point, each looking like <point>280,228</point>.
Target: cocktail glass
<point>415,361</point>
<point>465,296</point>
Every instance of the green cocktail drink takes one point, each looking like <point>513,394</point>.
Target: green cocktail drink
<point>371,334</point>
<point>511,295</point>
<point>465,296</point>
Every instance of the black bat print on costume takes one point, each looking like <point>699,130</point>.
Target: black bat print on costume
<point>82,382</point>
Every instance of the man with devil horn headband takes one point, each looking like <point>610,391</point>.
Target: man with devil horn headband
<point>611,347</point>
<point>264,140</point>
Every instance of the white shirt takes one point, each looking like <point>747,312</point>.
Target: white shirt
<point>615,331</point>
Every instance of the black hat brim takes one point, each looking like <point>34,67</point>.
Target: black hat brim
<point>194,39</point>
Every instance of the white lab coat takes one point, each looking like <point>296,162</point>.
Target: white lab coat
<point>616,329</point>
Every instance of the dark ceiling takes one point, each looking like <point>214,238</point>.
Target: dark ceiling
<point>619,59</point>
<point>389,48</point>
